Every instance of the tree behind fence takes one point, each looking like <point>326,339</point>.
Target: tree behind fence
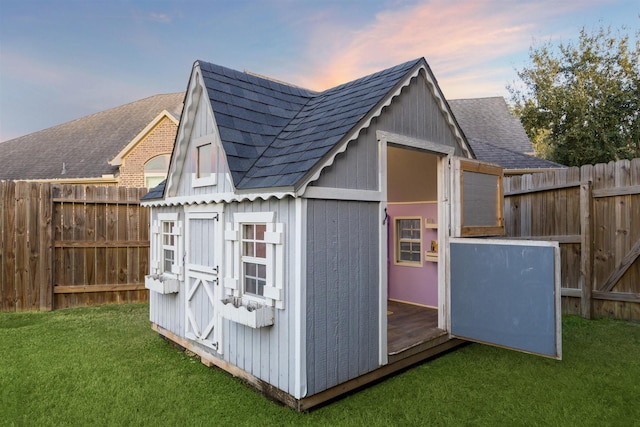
<point>71,245</point>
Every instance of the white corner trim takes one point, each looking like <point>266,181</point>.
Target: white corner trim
<point>300,297</point>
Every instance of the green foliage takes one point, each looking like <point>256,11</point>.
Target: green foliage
<point>105,366</point>
<point>580,104</point>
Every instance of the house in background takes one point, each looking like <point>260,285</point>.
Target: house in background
<point>129,145</point>
<point>312,242</point>
<point>496,136</point>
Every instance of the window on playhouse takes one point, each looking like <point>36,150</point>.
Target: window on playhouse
<point>204,162</point>
<point>155,170</point>
<point>408,239</point>
<point>478,200</point>
<point>167,234</point>
<point>255,259</point>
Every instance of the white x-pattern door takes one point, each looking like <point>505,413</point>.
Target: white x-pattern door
<point>203,290</point>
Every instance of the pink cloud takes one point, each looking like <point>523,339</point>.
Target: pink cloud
<point>465,42</point>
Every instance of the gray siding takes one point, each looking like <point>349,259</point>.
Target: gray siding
<point>415,114</point>
<point>203,125</point>
<point>342,292</point>
<point>357,167</point>
<point>268,353</point>
<point>168,310</point>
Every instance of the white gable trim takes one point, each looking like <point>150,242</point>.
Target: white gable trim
<point>117,160</point>
<point>214,198</point>
<point>341,147</point>
<point>180,148</point>
<point>193,100</point>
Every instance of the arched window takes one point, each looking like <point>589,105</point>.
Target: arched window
<point>155,170</point>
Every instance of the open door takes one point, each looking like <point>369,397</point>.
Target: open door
<point>502,292</point>
<point>506,293</point>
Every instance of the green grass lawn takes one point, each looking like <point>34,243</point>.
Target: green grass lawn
<point>105,366</point>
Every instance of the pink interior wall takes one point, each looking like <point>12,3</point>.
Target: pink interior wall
<point>413,284</point>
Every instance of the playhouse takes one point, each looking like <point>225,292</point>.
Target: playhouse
<point>311,242</point>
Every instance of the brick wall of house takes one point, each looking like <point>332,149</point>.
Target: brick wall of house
<point>158,141</point>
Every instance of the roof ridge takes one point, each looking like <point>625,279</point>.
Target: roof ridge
<point>324,94</point>
<point>97,113</point>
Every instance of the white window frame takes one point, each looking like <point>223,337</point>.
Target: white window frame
<point>460,200</point>
<point>398,240</point>
<point>155,175</point>
<point>196,180</point>
<point>234,281</point>
<point>253,260</point>
<point>158,248</point>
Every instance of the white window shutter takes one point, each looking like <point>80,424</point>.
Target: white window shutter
<point>232,259</point>
<point>180,255</point>
<point>274,289</point>
<point>155,248</point>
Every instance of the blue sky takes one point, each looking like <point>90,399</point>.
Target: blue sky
<point>64,59</point>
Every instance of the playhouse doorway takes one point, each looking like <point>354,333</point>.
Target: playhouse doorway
<point>412,248</point>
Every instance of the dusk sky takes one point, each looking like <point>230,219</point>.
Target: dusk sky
<point>63,59</point>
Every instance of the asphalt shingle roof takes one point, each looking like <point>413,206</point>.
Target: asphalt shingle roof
<point>85,145</point>
<point>273,133</point>
<point>508,159</point>
<point>489,119</point>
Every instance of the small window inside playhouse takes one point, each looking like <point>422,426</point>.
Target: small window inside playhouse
<point>408,239</point>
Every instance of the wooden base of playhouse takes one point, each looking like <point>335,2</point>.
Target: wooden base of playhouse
<point>397,362</point>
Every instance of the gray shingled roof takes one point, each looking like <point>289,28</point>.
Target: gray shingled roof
<point>508,159</point>
<point>489,119</point>
<point>495,135</point>
<point>273,134</point>
<point>85,145</point>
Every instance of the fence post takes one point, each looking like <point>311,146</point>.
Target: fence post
<point>46,247</point>
<point>586,248</point>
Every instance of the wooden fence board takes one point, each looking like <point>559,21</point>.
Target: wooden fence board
<point>552,206</point>
<point>55,244</point>
<point>21,281</point>
<point>45,248</point>
<point>8,288</point>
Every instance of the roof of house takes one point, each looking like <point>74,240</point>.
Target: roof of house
<point>508,159</point>
<point>495,135</point>
<point>82,148</point>
<point>273,133</point>
<point>489,120</point>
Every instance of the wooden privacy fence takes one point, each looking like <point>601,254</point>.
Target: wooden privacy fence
<point>71,245</point>
<point>594,213</point>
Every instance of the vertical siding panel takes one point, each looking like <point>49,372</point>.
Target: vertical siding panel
<point>355,302</point>
<point>319,303</point>
<point>342,289</point>
<point>345,222</point>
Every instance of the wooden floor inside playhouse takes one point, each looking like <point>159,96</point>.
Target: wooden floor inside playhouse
<point>409,326</point>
